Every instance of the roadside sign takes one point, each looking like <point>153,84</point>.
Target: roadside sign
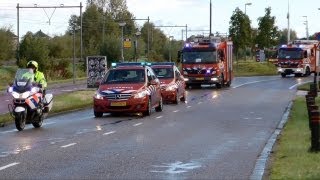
<point>96,69</point>
<point>127,43</point>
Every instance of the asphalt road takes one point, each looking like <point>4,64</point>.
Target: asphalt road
<point>217,134</point>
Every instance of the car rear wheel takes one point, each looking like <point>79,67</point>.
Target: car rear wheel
<point>160,107</point>
<point>97,114</point>
<point>149,108</point>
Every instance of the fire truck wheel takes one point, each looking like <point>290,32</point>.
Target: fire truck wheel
<point>160,107</point>
<point>228,84</point>
<point>97,114</point>
<point>148,111</point>
<point>283,75</point>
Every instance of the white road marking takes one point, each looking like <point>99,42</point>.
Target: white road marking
<point>107,133</point>
<point>246,118</point>
<point>138,124</point>
<point>68,145</point>
<point>7,100</point>
<point>9,165</point>
<point>176,167</point>
<point>258,118</point>
<point>252,83</point>
<point>176,111</point>
<point>15,130</point>
<point>200,102</point>
<point>189,106</point>
<point>67,90</point>
<point>159,117</point>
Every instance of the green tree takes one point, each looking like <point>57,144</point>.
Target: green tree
<point>240,30</point>
<point>7,48</point>
<point>268,34</point>
<point>34,48</point>
<point>283,39</point>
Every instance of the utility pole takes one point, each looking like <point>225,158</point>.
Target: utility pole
<point>210,18</point>
<point>46,7</point>
<point>288,17</point>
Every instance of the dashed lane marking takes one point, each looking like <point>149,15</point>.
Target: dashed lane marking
<point>138,124</point>
<point>159,117</point>
<point>68,145</point>
<point>108,133</point>
<point>9,165</point>
<point>176,111</point>
<point>189,106</point>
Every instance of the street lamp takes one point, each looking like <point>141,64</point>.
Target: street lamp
<point>136,55</point>
<point>307,28</point>
<point>170,40</point>
<point>245,7</point>
<point>122,24</point>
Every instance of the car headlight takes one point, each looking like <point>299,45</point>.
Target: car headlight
<point>170,88</point>
<point>214,79</point>
<point>98,96</point>
<point>280,69</point>
<point>25,95</point>
<point>214,72</point>
<point>186,79</point>
<point>139,95</point>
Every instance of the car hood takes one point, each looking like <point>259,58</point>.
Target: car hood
<point>120,88</point>
<point>166,82</point>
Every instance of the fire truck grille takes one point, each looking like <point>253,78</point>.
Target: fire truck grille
<point>196,71</point>
<point>118,96</point>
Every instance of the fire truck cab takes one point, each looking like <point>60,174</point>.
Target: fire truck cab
<point>297,58</point>
<point>207,60</point>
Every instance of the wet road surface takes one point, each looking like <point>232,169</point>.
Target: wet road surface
<point>216,134</point>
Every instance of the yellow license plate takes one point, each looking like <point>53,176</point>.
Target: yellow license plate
<point>118,104</point>
<point>199,79</point>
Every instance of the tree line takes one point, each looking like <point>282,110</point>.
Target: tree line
<point>102,36</point>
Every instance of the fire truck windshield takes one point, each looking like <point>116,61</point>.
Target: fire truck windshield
<point>163,73</point>
<point>200,57</point>
<point>121,76</point>
<point>292,53</point>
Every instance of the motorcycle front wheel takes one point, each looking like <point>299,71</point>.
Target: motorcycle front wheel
<point>39,121</point>
<point>20,120</point>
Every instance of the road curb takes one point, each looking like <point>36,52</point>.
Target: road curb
<point>261,162</point>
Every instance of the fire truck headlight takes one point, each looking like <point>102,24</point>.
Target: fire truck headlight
<point>214,72</point>
<point>186,79</point>
<point>214,79</point>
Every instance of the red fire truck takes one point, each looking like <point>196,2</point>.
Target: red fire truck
<point>298,58</point>
<point>207,60</point>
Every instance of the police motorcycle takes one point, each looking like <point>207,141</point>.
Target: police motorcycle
<point>28,104</point>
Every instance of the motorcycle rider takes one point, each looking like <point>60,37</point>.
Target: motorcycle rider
<point>38,75</point>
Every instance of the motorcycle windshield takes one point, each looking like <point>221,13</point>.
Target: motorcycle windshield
<point>23,79</point>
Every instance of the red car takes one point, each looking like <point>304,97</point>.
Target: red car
<point>128,87</point>
<point>172,82</point>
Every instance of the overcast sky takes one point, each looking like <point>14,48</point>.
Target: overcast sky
<point>193,13</point>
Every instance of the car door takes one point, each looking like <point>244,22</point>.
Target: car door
<point>154,88</point>
<point>180,82</point>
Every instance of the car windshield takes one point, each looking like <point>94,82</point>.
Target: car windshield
<point>116,76</point>
<point>163,73</point>
<point>290,54</point>
<point>200,57</point>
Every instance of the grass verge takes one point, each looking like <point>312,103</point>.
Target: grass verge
<point>62,103</point>
<point>253,68</point>
<point>291,158</point>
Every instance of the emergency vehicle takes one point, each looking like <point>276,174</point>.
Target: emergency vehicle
<point>297,58</point>
<point>207,60</point>
<point>128,87</point>
<point>172,81</point>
